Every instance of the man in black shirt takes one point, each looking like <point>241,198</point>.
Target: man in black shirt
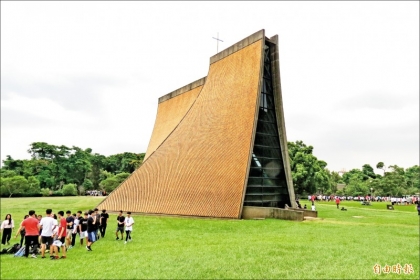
<point>69,222</point>
<point>120,225</point>
<point>83,228</point>
<point>104,221</point>
<point>91,229</point>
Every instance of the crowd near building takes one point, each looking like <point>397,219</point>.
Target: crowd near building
<point>57,233</point>
<point>404,200</point>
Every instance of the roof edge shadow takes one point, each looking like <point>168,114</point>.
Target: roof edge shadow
<point>182,90</point>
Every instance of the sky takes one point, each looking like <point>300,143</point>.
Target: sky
<point>89,74</point>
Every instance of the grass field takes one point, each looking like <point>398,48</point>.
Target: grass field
<point>341,245</point>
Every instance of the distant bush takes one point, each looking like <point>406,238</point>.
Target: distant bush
<point>81,190</point>
<point>69,189</point>
<point>45,192</point>
<point>57,193</point>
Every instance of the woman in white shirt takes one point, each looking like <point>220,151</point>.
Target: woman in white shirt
<point>7,227</point>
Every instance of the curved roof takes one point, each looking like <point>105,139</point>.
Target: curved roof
<point>200,167</point>
<point>170,113</point>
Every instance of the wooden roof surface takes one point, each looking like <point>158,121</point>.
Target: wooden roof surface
<point>169,114</point>
<point>199,169</point>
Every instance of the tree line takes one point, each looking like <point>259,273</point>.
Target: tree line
<point>60,170</point>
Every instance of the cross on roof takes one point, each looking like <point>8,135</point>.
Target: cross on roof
<point>217,39</point>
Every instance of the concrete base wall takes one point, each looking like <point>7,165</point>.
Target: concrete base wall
<point>306,212</point>
<point>252,212</point>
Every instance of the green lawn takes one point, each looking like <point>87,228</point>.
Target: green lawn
<point>341,245</point>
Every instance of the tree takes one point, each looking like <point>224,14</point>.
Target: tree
<point>69,189</point>
<point>13,185</point>
<point>33,185</point>
<point>381,165</point>
<point>356,186</point>
<point>412,177</point>
<point>125,162</point>
<point>97,163</point>
<point>393,182</point>
<point>110,183</point>
<point>308,173</point>
<point>354,173</point>
<point>87,184</point>
<point>368,171</point>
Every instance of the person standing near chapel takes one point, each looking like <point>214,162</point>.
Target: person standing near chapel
<point>69,229</point>
<point>129,221</point>
<point>7,227</point>
<point>30,225</point>
<point>120,225</point>
<point>91,229</point>
<point>61,238</point>
<point>337,201</point>
<point>98,223</point>
<point>104,222</point>
<point>83,221</point>
<point>75,230</point>
<point>47,225</point>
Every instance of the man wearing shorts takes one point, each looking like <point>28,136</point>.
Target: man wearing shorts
<point>61,238</point>
<point>47,224</point>
<point>83,221</point>
<point>69,223</point>
<point>120,225</point>
<point>91,229</point>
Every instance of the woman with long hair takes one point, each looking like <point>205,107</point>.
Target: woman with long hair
<point>7,227</point>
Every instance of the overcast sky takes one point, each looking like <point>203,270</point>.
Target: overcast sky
<point>89,74</point>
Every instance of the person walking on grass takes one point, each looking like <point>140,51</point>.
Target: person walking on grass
<point>98,223</point>
<point>83,228</point>
<point>337,201</point>
<point>30,227</point>
<point>61,238</point>
<point>69,228</point>
<point>120,225</point>
<point>91,229</point>
<point>7,227</point>
<point>129,221</point>
<point>47,225</point>
<point>103,223</point>
<point>75,228</point>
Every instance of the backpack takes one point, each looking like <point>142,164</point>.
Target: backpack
<point>20,252</point>
<point>13,249</point>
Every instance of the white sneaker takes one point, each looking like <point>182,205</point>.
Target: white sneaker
<point>125,242</point>
<point>33,256</point>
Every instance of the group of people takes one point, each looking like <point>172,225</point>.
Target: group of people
<point>57,232</point>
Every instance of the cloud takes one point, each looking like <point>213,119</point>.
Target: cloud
<point>378,100</point>
<point>73,93</point>
<point>23,111</point>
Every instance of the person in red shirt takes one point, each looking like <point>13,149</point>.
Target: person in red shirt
<point>337,201</point>
<point>61,237</point>
<point>31,232</point>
